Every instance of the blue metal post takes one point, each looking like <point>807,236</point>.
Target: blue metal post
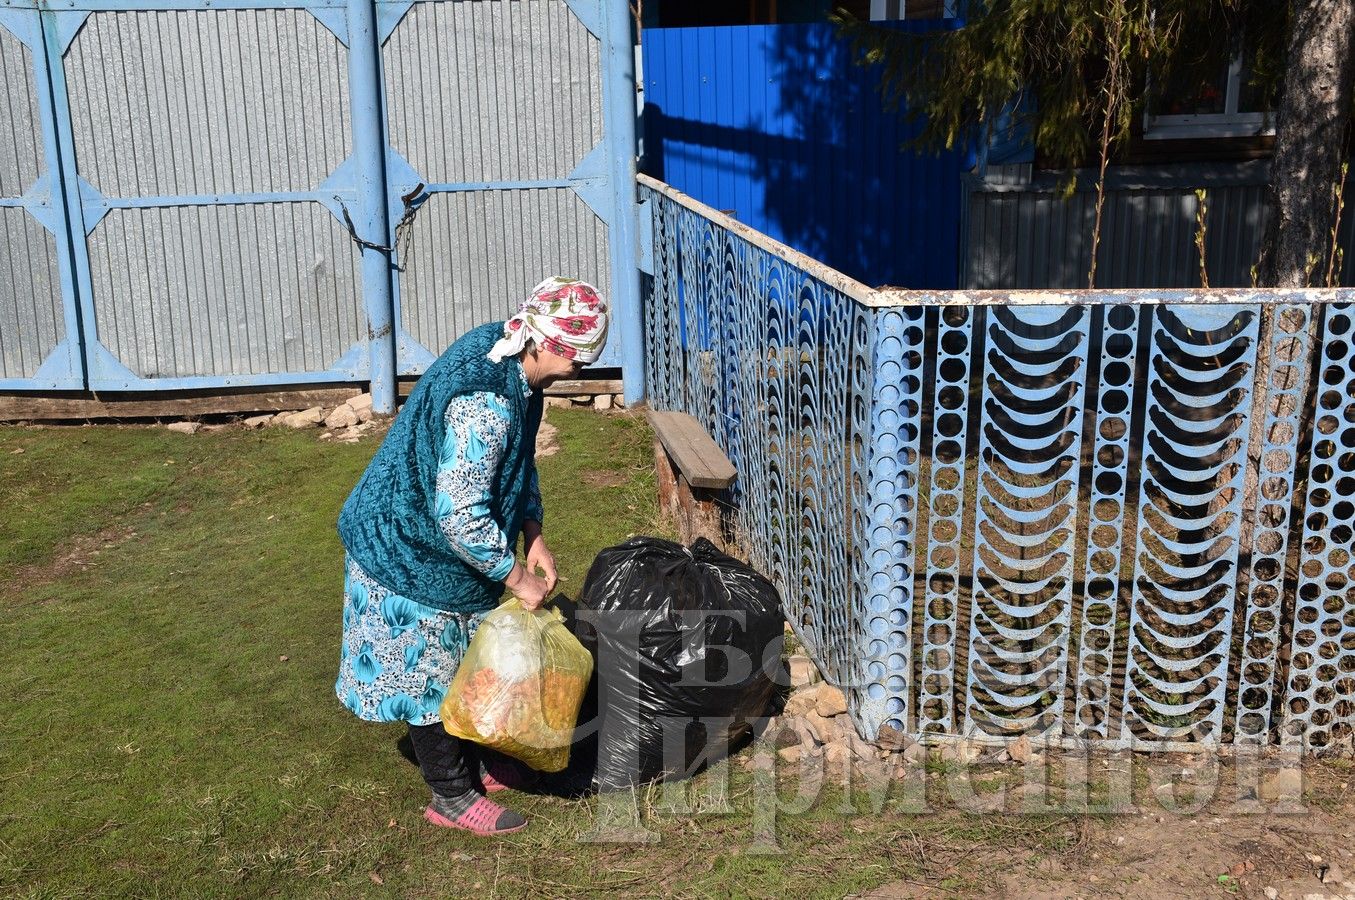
<point>618,98</point>
<point>370,219</point>
<point>891,388</point>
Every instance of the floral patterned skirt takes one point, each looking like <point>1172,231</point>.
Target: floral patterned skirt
<point>398,656</point>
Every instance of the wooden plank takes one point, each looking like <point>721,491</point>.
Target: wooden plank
<point>38,408</point>
<point>584,386</point>
<point>569,388</point>
<point>696,455</point>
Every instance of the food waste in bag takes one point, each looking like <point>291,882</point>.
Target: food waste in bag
<point>519,687</point>
<point>687,645</point>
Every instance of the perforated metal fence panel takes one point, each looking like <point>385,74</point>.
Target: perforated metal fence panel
<point>1121,518</point>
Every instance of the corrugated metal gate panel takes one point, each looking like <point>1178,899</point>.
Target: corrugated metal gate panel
<point>224,290</point>
<point>460,273</point>
<point>21,148</point>
<point>207,101</point>
<point>36,288</point>
<point>30,297</point>
<point>524,100</point>
<point>210,258</point>
<point>510,151</point>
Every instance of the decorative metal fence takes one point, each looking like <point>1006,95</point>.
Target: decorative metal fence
<point>1117,517</point>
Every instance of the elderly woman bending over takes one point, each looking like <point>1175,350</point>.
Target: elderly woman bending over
<point>431,528</point>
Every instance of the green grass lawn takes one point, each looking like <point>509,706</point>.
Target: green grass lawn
<point>170,627</point>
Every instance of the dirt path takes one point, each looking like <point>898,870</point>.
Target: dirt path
<point>1300,850</point>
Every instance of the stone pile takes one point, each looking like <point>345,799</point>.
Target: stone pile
<point>814,724</point>
<point>350,420</point>
<point>599,402</point>
<point>346,423</point>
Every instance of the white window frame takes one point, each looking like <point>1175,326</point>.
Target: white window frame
<point>897,10</point>
<point>1229,123</point>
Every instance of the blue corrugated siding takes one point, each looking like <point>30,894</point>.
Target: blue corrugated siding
<point>777,124</point>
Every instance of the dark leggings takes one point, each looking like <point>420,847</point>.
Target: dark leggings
<point>444,761</point>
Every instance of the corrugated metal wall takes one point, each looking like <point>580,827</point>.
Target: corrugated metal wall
<point>1024,235</point>
<point>178,182</point>
<point>473,255</point>
<point>499,146</point>
<point>249,102</point>
<point>31,321</point>
<point>778,126</point>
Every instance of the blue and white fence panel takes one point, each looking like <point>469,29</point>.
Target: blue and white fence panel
<point>204,153</point>
<point>212,193</point>
<point>1121,517</point>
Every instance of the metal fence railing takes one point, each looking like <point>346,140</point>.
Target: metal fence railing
<point>1117,517</point>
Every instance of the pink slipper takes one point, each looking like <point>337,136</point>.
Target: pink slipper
<point>492,784</point>
<point>483,817</point>
<point>497,776</point>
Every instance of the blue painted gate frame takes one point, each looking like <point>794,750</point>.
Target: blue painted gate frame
<point>367,188</point>
<point>44,200</point>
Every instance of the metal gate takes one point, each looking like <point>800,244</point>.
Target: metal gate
<point>250,192</point>
<point>40,343</point>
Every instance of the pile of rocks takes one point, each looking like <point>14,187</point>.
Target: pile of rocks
<point>350,420</point>
<point>346,423</point>
<point>599,402</point>
<point>814,723</point>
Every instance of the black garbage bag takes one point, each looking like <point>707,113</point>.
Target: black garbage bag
<point>687,649</point>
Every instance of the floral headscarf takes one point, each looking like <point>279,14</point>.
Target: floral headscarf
<point>565,316</point>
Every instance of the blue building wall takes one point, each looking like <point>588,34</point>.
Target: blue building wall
<point>778,125</point>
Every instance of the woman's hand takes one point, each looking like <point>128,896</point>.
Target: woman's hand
<point>540,558</point>
<point>531,589</point>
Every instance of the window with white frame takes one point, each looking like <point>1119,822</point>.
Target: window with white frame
<point>1226,104</point>
<point>896,10</point>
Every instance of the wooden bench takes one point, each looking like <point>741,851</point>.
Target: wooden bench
<point>694,476</point>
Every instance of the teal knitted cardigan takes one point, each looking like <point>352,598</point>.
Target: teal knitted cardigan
<point>389,524</point>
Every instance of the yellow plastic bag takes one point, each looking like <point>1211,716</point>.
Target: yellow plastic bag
<point>519,687</point>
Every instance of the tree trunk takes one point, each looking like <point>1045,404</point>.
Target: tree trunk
<point>1310,132</point>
